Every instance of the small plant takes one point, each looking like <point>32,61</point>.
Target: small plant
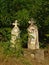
<point>9,51</point>
<point>25,61</point>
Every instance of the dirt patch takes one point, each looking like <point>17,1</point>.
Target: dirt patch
<point>24,60</point>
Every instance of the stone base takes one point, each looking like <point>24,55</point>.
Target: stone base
<point>38,55</point>
<point>33,46</point>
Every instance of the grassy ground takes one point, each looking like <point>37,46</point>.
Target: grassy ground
<point>6,59</point>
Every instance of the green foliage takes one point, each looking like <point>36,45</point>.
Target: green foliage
<point>26,62</point>
<point>11,51</point>
<point>42,45</point>
<point>5,34</point>
<point>23,17</point>
<point>24,38</point>
<point>23,10</point>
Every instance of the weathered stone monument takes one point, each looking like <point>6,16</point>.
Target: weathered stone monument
<point>33,42</point>
<point>14,34</point>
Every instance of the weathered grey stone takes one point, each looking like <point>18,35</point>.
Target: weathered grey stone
<point>14,34</point>
<point>33,56</point>
<point>33,42</point>
<point>39,55</point>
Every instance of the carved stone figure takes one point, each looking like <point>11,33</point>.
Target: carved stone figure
<point>14,34</point>
<point>33,42</point>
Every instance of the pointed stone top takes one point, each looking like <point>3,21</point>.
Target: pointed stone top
<point>31,21</point>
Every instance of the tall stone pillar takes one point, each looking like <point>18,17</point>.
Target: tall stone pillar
<point>33,42</point>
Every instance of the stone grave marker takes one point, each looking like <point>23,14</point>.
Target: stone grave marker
<point>14,33</point>
<point>33,42</point>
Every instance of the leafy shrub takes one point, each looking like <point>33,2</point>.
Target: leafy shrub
<point>23,10</point>
<point>17,51</point>
<point>5,34</point>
